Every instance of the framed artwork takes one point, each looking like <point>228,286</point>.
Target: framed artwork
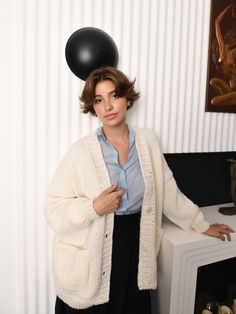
<point>221,76</point>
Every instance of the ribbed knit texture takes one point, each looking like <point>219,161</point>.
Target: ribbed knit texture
<point>82,246</point>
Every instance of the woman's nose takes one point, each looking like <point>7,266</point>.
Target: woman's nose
<point>108,105</point>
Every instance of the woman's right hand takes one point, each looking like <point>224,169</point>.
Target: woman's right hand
<point>108,201</point>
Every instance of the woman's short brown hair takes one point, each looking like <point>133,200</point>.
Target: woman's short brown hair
<point>123,87</point>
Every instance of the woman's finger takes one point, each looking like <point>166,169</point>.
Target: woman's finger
<point>225,232</point>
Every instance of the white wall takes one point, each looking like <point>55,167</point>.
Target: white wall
<point>164,44</point>
<point>8,273</point>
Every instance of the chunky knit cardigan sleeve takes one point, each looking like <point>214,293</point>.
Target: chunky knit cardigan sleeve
<point>63,198</point>
<point>176,206</point>
<point>184,213</point>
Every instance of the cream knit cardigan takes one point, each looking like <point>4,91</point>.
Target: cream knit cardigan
<point>82,245</point>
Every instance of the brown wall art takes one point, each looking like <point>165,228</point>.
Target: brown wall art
<point>221,79</point>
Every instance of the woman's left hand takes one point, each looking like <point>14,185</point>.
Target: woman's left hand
<point>219,231</point>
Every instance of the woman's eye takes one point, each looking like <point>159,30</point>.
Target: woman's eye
<point>114,95</point>
<point>97,101</point>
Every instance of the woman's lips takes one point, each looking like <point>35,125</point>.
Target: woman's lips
<point>111,116</point>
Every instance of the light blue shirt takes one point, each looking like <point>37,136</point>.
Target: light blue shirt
<point>128,177</point>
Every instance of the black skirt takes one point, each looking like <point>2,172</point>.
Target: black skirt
<point>125,297</point>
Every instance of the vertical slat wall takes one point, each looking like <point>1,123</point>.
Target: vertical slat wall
<point>164,44</point>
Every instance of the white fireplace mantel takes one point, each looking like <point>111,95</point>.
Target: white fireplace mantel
<point>181,253</point>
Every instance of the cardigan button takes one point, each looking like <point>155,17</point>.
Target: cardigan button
<point>149,210</point>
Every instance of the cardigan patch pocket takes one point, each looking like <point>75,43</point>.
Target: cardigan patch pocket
<point>78,239</point>
<point>70,264</point>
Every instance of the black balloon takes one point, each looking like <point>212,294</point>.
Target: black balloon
<point>90,48</point>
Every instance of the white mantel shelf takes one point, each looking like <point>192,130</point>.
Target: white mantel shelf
<point>181,253</point>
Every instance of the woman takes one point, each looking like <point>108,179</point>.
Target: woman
<point>105,205</point>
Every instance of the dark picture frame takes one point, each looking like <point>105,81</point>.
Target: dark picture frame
<point>221,76</point>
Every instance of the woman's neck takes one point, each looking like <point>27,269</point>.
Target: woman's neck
<point>118,133</point>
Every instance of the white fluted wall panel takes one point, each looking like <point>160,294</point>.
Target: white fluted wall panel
<point>164,44</point>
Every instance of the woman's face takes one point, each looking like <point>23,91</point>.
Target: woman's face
<point>109,108</point>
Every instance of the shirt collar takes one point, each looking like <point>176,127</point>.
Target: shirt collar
<point>131,135</point>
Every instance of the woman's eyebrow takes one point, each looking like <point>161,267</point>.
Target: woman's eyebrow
<point>113,91</point>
